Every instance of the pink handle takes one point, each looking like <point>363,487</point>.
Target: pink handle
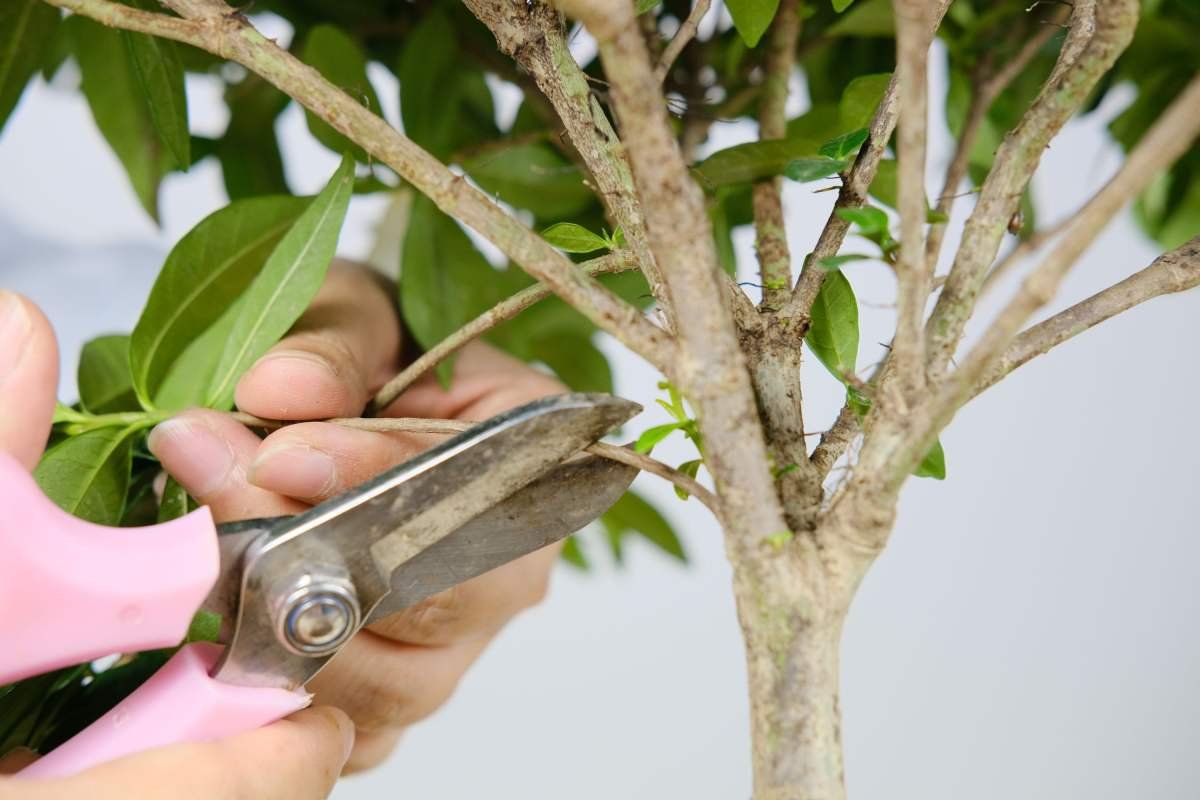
<point>180,703</point>
<point>71,591</point>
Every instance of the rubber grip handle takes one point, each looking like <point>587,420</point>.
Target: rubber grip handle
<point>71,591</point>
<point>180,703</point>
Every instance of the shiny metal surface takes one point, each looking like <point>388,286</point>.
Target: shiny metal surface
<point>372,531</point>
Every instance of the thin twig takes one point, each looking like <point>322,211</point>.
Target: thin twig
<point>1174,271</point>
<point>853,194</point>
<point>774,259</point>
<point>625,455</point>
<point>686,32</point>
<point>913,277</point>
<point>984,93</point>
<point>1100,32</point>
<point>501,312</point>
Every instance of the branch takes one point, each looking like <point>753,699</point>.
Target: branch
<point>889,459</point>
<point>531,33</point>
<point>984,94</point>
<point>775,262</point>
<point>835,441</point>
<point>1099,33</point>
<point>686,32</point>
<point>501,312</point>
<point>1169,138</point>
<point>1175,271</point>
<point>908,347</point>
<point>228,35</point>
<point>853,194</point>
<point>712,368</point>
<point>625,455</point>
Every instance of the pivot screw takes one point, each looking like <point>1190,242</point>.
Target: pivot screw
<point>319,617</point>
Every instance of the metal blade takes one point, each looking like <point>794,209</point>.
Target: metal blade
<point>544,512</point>
<point>354,543</point>
<point>527,520</point>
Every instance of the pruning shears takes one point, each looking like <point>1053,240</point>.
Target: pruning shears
<point>293,590</point>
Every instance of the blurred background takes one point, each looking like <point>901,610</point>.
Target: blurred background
<point>1030,632</point>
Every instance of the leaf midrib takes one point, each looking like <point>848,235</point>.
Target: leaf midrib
<point>20,30</point>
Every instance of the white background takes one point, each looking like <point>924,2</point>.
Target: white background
<point>1030,632</point>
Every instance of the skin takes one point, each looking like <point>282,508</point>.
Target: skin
<point>345,347</point>
<point>298,758</point>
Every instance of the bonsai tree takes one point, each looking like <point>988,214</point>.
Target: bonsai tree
<point>611,221</point>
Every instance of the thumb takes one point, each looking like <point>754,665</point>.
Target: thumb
<point>28,378</point>
<point>298,758</point>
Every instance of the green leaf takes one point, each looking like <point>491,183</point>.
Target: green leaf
<point>531,176</point>
<point>860,99</point>
<point>844,146</point>
<point>249,150</point>
<point>341,61</point>
<point>833,334</point>
<point>752,17</point>
<point>632,514</point>
<point>573,238</point>
<point>88,475</point>
<point>575,360</point>
<point>834,263</point>
<point>642,6</point>
<point>884,187</point>
<point>870,220</point>
<point>286,285</point>
<point>118,102</point>
<point>841,5</point>
<point>751,161</point>
<point>868,18</point>
<point>935,217</point>
<point>934,463</point>
<point>174,503</point>
<point>812,169</point>
<point>209,268</point>
<point>103,377</point>
<point>159,71</point>
<point>691,469</point>
<point>652,436</point>
<point>205,627</point>
<point>444,281</point>
<point>429,88</point>
<point>27,28</point>
<point>573,554</point>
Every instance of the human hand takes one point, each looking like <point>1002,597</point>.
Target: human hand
<point>299,757</point>
<point>346,345</point>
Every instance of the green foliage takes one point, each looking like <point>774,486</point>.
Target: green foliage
<point>342,62</point>
<point>159,71</point>
<point>105,385</point>
<point>286,285</point>
<point>532,176</point>
<point>752,17</point>
<point>812,169</point>
<point>88,475</point>
<point>205,273</point>
<point>117,97</point>
<point>444,281</point>
<point>633,515</point>
<point>26,29</point>
<point>574,238</point>
<point>833,334</point>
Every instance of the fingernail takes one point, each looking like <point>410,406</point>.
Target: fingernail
<point>293,470</point>
<point>301,358</point>
<point>348,736</point>
<point>14,331</point>
<point>193,454</point>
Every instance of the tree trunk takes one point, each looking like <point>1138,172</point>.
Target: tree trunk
<point>792,604</point>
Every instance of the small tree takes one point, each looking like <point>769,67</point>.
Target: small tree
<point>601,156</point>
